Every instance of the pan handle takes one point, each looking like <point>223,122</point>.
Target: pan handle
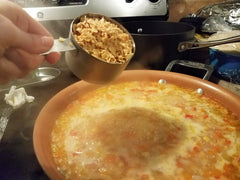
<point>194,44</point>
<point>207,69</point>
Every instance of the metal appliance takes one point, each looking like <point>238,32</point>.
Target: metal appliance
<point>45,10</point>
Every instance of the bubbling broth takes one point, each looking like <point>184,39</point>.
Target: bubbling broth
<point>146,130</point>
<point>137,131</point>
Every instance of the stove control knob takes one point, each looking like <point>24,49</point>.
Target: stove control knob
<point>153,1</point>
<point>129,1</point>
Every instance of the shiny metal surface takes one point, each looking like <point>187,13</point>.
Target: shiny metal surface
<point>4,117</point>
<point>110,8</point>
<point>183,46</point>
<point>61,45</point>
<point>220,16</point>
<point>39,76</point>
<point>194,66</point>
<point>89,68</point>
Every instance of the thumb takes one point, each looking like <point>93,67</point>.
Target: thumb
<point>33,43</point>
<point>12,36</point>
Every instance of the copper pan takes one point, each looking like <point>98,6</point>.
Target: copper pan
<point>45,120</point>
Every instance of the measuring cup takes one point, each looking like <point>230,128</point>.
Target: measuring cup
<point>84,65</point>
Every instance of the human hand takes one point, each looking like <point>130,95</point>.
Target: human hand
<point>22,40</point>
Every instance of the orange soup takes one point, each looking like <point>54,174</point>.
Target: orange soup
<point>146,131</point>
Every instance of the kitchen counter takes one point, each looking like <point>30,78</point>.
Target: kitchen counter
<point>235,88</point>
<point>17,157</point>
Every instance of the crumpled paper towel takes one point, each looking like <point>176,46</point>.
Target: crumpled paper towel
<point>17,97</point>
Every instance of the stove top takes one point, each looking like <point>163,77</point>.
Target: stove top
<point>45,10</point>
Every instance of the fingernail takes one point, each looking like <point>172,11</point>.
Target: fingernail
<point>47,41</point>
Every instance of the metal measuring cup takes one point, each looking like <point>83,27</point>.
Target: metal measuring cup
<point>89,68</point>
